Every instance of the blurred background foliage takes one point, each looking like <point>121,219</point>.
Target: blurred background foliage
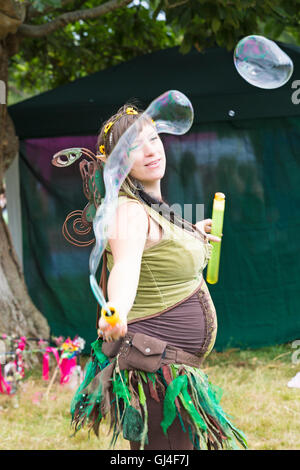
<point>143,26</point>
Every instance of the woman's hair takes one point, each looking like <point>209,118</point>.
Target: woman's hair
<point>110,133</point>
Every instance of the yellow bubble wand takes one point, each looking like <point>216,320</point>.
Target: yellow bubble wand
<point>212,274</point>
<point>110,315</point>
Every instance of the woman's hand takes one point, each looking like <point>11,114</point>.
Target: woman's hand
<point>112,333</point>
<point>204,227</point>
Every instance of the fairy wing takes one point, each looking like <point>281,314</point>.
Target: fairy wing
<point>78,224</point>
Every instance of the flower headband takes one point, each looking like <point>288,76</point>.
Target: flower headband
<point>109,125</point>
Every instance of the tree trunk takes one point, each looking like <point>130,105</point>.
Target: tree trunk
<point>18,315</point>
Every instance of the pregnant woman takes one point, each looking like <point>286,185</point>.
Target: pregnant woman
<point>145,372</point>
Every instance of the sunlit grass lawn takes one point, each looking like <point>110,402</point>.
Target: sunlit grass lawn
<point>255,394</point>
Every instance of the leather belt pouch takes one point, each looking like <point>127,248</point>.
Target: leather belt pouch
<point>137,351</point>
<point>111,349</point>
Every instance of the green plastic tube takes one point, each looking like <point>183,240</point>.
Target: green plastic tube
<point>212,274</point>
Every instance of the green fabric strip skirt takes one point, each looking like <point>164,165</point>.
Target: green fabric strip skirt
<point>186,391</point>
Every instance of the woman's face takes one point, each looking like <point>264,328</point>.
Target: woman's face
<point>149,156</point>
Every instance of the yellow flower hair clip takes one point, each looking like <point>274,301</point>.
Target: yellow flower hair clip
<point>102,149</point>
<point>108,126</point>
<point>101,157</point>
<point>131,111</point>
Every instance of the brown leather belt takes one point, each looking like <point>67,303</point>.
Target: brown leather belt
<point>149,349</point>
<point>178,356</point>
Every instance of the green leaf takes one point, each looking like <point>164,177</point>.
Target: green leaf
<point>278,29</point>
<point>216,23</point>
<point>142,395</point>
<point>185,47</point>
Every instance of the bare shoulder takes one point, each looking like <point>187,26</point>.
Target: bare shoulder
<point>129,228</point>
<point>132,210</point>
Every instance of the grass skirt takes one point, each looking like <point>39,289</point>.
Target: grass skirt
<point>187,393</point>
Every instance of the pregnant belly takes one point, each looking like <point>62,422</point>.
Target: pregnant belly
<point>190,326</point>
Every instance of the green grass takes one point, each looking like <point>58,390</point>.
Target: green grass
<point>255,394</point>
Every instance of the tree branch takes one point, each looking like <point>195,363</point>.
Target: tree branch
<point>174,5</point>
<point>33,13</point>
<point>70,17</point>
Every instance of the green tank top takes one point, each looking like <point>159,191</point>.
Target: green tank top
<point>170,270</point>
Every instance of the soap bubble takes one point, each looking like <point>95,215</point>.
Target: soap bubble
<point>170,113</point>
<point>262,63</point>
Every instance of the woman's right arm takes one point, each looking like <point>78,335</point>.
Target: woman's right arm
<point>127,241</point>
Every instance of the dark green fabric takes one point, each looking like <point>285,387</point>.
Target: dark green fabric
<point>255,163</point>
<point>209,79</point>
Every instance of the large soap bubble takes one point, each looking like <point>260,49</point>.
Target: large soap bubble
<point>171,113</point>
<point>262,63</point>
